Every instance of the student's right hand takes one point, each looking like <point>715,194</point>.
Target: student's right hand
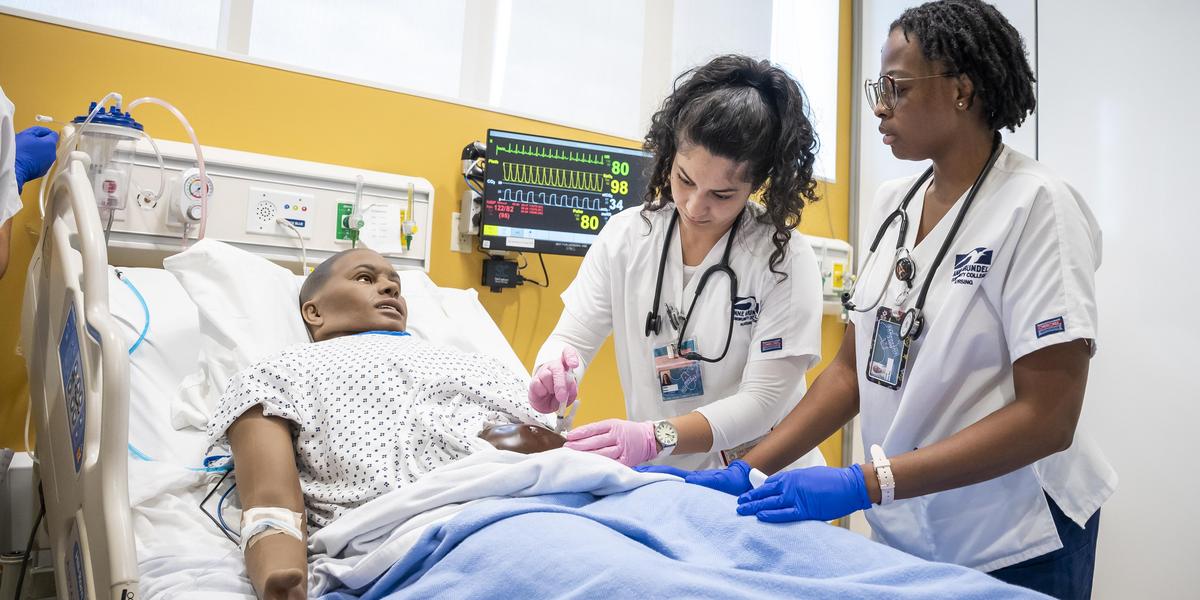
<point>285,584</point>
<point>554,384</point>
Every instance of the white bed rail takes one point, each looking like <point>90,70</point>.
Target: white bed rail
<point>79,393</point>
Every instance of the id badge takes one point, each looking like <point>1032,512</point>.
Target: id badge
<point>732,454</point>
<point>889,351</point>
<point>678,377</point>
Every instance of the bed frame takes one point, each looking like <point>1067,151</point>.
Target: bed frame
<point>79,396</point>
<point>78,364</point>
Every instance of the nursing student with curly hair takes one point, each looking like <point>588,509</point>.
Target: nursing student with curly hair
<point>713,301</point>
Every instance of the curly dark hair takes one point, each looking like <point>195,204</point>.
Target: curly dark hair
<point>972,38</point>
<point>748,111</point>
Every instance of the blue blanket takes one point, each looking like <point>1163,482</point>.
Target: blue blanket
<point>665,539</point>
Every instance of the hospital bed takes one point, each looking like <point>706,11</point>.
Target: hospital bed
<point>106,355</point>
<point>123,486</point>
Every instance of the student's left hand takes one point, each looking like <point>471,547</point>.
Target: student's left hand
<point>815,493</point>
<point>734,479</point>
<point>35,153</point>
<point>628,442</point>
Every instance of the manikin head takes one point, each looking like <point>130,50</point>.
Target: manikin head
<point>352,292</point>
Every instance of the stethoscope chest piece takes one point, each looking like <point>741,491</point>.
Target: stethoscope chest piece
<point>653,324</point>
<point>911,324</point>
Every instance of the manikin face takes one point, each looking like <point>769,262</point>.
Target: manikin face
<point>709,191</point>
<point>361,294</point>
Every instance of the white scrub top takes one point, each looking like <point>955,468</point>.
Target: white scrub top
<point>614,290</point>
<point>10,200</point>
<point>1019,276</point>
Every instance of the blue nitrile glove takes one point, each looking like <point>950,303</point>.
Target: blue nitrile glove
<point>815,493</point>
<point>35,154</point>
<point>734,479</point>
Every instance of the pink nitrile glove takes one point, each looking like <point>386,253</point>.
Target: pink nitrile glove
<point>627,442</point>
<point>553,385</point>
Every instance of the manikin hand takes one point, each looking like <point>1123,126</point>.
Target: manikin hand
<point>553,385</point>
<point>284,584</point>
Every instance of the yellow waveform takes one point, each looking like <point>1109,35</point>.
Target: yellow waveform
<point>554,177</point>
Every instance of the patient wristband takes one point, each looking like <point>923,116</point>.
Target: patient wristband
<point>263,521</point>
<point>883,472</point>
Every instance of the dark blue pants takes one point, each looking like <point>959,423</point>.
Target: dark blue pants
<point>1065,573</point>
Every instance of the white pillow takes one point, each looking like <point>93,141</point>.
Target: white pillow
<point>248,309</point>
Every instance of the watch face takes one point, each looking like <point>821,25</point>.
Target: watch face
<point>665,432</point>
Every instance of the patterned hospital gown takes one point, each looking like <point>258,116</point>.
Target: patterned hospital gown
<point>371,412</point>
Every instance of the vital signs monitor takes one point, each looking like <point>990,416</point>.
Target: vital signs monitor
<point>553,196</point>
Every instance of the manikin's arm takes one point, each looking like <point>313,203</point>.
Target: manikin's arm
<point>265,464</point>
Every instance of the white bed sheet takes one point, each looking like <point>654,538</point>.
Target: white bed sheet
<point>181,553</point>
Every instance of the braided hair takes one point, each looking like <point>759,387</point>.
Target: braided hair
<point>747,111</point>
<point>972,38</point>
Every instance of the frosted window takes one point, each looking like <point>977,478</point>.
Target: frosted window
<point>414,44</point>
<point>192,22</point>
<point>804,41</point>
<point>574,62</point>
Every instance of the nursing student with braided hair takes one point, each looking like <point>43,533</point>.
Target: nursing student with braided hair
<point>971,330</point>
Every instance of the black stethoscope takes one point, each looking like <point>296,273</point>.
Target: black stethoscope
<point>905,268</point>
<point>654,320</point>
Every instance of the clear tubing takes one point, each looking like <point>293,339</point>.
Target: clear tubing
<point>65,149</point>
<point>199,153</point>
<point>162,171</point>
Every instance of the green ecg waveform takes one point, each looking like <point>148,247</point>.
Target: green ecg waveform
<point>586,158</point>
<point>552,177</point>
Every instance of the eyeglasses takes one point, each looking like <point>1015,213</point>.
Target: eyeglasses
<point>883,90</point>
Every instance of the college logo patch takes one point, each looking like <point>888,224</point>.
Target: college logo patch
<point>1050,326</point>
<point>971,266</point>
<point>771,345</point>
<point>745,310</point>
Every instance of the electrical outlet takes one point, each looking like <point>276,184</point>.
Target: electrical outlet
<point>459,241</point>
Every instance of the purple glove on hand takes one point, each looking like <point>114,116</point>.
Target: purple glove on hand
<point>35,153</point>
<point>553,384</point>
<point>628,442</point>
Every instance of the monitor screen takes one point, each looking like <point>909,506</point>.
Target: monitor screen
<point>553,196</point>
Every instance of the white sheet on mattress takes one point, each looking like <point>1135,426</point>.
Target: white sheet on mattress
<point>164,493</point>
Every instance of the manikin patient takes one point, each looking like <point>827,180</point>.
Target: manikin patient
<point>322,428</point>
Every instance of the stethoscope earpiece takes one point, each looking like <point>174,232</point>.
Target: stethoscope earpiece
<point>846,303</point>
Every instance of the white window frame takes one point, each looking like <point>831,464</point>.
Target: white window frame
<point>485,30</point>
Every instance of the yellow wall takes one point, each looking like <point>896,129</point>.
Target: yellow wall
<point>55,70</point>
